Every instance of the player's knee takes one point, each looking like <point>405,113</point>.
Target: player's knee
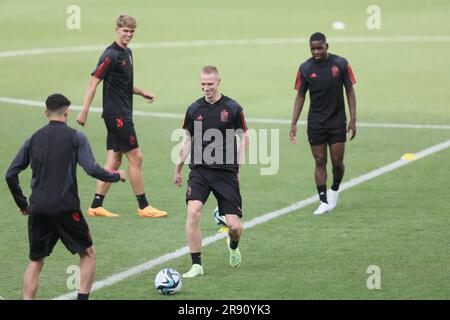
<point>140,158</point>
<point>235,226</point>
<point>320,161</point>
<point>113,164</point>
<point>137,159</point>
<point>338,166</point>
<point>193,216</point>
<point>117,163</point>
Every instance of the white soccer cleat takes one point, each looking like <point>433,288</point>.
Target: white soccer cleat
<point>323,208</point>
<point>332,197</point>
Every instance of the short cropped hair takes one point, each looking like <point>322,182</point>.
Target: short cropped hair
<point>126,21</point>
<point>318,36</point>
<point>209,70</point>
<point>56,102</point>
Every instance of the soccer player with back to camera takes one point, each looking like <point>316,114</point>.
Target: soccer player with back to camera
<point>325,75</point>
<point>54,206</point>
<point>211,124</point>
<point>115,69</point>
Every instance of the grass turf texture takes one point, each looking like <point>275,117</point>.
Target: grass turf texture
<point>397,221</point>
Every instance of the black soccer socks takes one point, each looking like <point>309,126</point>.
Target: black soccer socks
<point>142,200</point>
<point>98,201</point>
<point>233,244</point>
<point>83,296</point>
<point>322,190</point>
<point>196,258</point>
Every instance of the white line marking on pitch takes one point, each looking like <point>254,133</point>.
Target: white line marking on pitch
<point>227,42</point>
<point>258,220</point>
<point>33,103</point>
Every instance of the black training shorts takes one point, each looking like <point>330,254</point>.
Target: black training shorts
<point>45,229</point>
<point>317,137</point>
<point>121,135</point>
<point>224,185</point>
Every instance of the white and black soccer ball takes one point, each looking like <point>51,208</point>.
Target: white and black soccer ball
<point>219,218</point>
<point>168,281</point>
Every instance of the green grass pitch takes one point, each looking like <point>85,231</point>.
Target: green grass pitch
<point>399,221</point>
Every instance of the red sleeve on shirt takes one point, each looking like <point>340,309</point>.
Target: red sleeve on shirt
<point>101,68</point>
<point>243,123</point>
<point>350,74</point>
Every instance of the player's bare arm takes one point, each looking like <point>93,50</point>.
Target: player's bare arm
<point>89,96</point>
<point>149,96</point>
<point>351,100</point>
<point>185,150</point>
<point>298,106</point>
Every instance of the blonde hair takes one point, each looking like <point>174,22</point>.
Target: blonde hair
<point>209,70</point>
<point>125,20</point>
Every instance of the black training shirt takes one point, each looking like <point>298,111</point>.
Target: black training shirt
<point>217,148</point>
<point>115,68</point>
<point>53,153</point>
<point>325,81</point>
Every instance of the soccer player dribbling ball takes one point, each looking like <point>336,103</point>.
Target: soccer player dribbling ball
<point>217,114</point>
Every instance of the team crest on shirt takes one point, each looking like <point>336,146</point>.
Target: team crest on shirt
<point>123,63</point>
<point>224,116</point>
<point>335,71</point>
